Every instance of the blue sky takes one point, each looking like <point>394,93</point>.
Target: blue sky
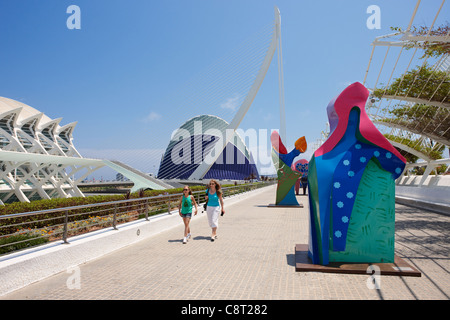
<point>116,75</point>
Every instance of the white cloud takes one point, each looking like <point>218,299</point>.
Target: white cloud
<point>152,116</point>
<point>231,103</point>
<point>268,117</point>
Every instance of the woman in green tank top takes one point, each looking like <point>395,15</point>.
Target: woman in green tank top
<point>185,210</point>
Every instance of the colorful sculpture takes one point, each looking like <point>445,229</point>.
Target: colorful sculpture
<point>302,167</point>
<point>286,176</point>
<point>352,188</point>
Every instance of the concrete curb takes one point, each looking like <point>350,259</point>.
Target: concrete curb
<point>425,205</point>
<point>22,268</point>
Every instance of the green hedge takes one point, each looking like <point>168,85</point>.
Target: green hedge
<point>16,242</point>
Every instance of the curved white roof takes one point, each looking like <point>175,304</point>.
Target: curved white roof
<point>7,104</point>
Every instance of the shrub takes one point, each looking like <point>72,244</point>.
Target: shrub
<point>17,244</point>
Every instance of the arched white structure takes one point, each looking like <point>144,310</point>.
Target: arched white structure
<point>203,168</point>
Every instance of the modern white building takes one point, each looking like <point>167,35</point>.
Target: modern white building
<point>39,161</point>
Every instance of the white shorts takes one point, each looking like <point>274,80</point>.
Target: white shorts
<point>213,216</point>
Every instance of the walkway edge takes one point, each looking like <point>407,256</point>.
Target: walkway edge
<point>20,269</point>
<point>442,208</point>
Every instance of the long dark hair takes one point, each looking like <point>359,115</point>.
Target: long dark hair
<point>218,187</point>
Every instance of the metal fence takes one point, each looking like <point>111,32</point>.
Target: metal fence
<point>25,230</point>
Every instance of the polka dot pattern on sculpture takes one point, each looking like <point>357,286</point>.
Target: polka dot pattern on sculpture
<point>346,180</point>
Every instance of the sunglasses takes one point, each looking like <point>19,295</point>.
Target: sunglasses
<point>186,190</point>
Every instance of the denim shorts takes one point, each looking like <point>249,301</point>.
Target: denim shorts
<point>187,215</point>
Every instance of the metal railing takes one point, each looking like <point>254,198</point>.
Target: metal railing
<point>24,230</point>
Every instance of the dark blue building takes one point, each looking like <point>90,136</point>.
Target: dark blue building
<point>191,144</point>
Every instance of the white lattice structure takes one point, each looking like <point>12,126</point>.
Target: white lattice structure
<point>39,161</point>
<point>406,48</point>
<point>26,131</point>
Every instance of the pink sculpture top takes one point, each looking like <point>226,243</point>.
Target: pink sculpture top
<point>339,109</point>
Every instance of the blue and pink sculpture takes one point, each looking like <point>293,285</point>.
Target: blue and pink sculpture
<point>282,159</point>
<point>351,181</point>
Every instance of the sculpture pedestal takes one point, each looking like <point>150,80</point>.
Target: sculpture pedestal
<point>399,268</point>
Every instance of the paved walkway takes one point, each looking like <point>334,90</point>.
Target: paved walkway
<point>253,259</point>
